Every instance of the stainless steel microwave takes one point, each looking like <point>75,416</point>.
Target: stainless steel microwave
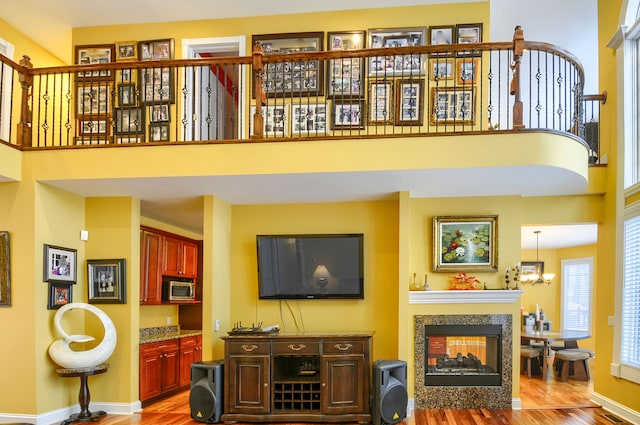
<point>175,290</point>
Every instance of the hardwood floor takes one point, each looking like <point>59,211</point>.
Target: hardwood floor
<point>544,402</point>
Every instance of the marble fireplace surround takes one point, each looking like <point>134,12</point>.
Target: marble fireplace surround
<point>463,397</point>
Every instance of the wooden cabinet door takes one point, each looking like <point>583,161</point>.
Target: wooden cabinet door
<point>189,259</point>
<point>171,264</point>
<point>150,371</point>
<point>170,366</point>
<point>151,253</point>
<point>188,353</point>
<point>343,387</point>
<point>249,384</point>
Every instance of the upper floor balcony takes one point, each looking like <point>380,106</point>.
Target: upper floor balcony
<point>519,100</point>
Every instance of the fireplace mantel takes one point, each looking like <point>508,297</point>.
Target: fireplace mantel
<point>465,297</point>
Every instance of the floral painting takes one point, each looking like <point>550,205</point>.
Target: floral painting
<point>466,243</point>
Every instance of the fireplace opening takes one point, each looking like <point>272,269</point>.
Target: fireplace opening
<point>463,355</point>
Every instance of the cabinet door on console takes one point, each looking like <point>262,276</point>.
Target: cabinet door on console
<point>344,376</point>
<point>248,390</point>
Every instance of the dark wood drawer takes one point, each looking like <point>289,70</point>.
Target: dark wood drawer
<point>248,347</point>
<point>343,347</point>
<point>299,346</point>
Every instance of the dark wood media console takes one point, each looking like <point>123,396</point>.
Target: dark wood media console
<point>297,378</point>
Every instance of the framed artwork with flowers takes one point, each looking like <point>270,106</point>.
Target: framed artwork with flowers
<point>465,243</point>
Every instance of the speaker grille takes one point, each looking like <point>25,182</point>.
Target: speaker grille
<point>393,406</point>
<point>202,401</point>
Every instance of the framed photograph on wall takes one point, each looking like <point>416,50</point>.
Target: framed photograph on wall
<point>345,77</point>
<point>309,119</point>
<point>295,77</point>
<point>126,51</point>
<point>451,105</point>
<point>380,102</point>
<point>159,132</point>
<point>5,276</point>
<point>347,115</point>
<point>93,99</point>
<point>129,121</point>
<point>440,35</point>
<point>93,55</point>
<point>59,264</point>
<point>412,64</point>
<point>60,293</point>
<point>441,69</point>
<point>467,34</point>
<point>409,102</point>
<point>106,281</point>
<point>155,49</point>
<point>127,94</point>
<point>528,268</point>
<point>467,71</point>
<point>275,119</point>
<point>98,125</point>
<point>156,85</point>
<point>160,113</point>
<point>465,243</point>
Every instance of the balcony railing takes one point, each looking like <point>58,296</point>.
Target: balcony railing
<point>387,92</point>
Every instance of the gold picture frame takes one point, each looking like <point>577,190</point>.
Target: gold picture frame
<point>465,243</point>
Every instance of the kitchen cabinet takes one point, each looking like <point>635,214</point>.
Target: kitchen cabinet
<point>151,254</point>
<point>190,352</point>
<point>164,255</point>
<point>297,378</point>
<point>159,368</point>
<point>180,258</point>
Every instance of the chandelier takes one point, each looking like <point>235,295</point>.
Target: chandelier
<point>536,278</point>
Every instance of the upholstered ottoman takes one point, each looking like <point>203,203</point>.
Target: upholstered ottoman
<point>527,354</point>
<point>567,359</point>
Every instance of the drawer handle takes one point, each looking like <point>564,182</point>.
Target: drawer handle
<point>249,348</point>
<point>296,347</point>
<point>343,347</point>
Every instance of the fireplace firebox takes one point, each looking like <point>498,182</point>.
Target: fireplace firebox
<point>463,355</point>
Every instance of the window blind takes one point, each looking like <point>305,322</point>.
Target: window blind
<point>630,323</point>
<point>577,278</point>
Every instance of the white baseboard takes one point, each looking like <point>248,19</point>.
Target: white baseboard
<point>58,415</point>
<point>516,403</point>
<point>616,408</point>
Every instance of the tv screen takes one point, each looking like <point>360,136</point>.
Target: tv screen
<point>310,266</point>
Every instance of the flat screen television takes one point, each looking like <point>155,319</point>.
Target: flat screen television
<point>310,266</point>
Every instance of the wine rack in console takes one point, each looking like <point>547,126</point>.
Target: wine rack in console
<point>303,378</point>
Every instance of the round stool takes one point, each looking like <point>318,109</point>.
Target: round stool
<point>527,353</point>
<point>568,358</point>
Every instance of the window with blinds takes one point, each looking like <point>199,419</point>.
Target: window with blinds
<point>630,325</point>
<point>577,289</point>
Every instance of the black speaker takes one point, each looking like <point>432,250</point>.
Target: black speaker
<point>390,396</point>
<point>205,399</point>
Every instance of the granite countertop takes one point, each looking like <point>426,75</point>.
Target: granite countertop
<point>164,333</point>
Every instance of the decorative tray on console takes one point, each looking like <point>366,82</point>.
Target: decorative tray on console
<point>238,329</point>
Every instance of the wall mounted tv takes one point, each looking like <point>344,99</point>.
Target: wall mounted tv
<point>310,266</point>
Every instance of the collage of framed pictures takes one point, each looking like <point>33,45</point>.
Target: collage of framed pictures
<point>347,115</point>
<point>396,64</point>
<point>275,119</point>
<point>452,105</point>
<point>380,102</point>
<point>296,77</point>
<point>409,102</point>
<point>156,85</point>
<point>309,119</point>
<point>346,76</point>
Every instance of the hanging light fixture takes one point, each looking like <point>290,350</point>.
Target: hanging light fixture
<point>535,278</point>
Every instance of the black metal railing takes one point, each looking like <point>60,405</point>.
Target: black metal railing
<point>393,92</point>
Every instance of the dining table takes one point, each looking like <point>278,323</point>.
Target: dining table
<point>568,338</point>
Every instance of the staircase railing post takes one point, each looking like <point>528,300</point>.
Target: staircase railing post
<point>258,72</point>
<point>518,48</point>
<point>26,83</point>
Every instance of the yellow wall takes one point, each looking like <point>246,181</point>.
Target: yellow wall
<point>377,312</point>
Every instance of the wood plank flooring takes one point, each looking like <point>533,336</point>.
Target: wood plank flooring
<point>544,402</point>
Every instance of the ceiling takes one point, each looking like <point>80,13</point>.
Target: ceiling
<point>49,24</point>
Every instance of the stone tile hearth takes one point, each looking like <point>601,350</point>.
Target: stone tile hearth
<point>463,397</point>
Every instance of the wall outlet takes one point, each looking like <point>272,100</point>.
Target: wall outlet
<point>169,320</point>
<point>217,325</point>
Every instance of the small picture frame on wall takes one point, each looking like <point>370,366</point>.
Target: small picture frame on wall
<point>345,77</point>
<point>441,35</point>
<point>106,281</point>
<point>528,268</point>
<point>59,294</point>
<point>159,132</point>
<point>467,71</point>
<point>126,51</point>
<point>381,102</point>
<point>441,69</point>
<point>409,102</point>
<point>348,115</point>
<point>465,243</point>
<point>275,120</point>
<point>59,264</point>
<point>94,55</point>
<point>155,49</point>
<point>468,34</point>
